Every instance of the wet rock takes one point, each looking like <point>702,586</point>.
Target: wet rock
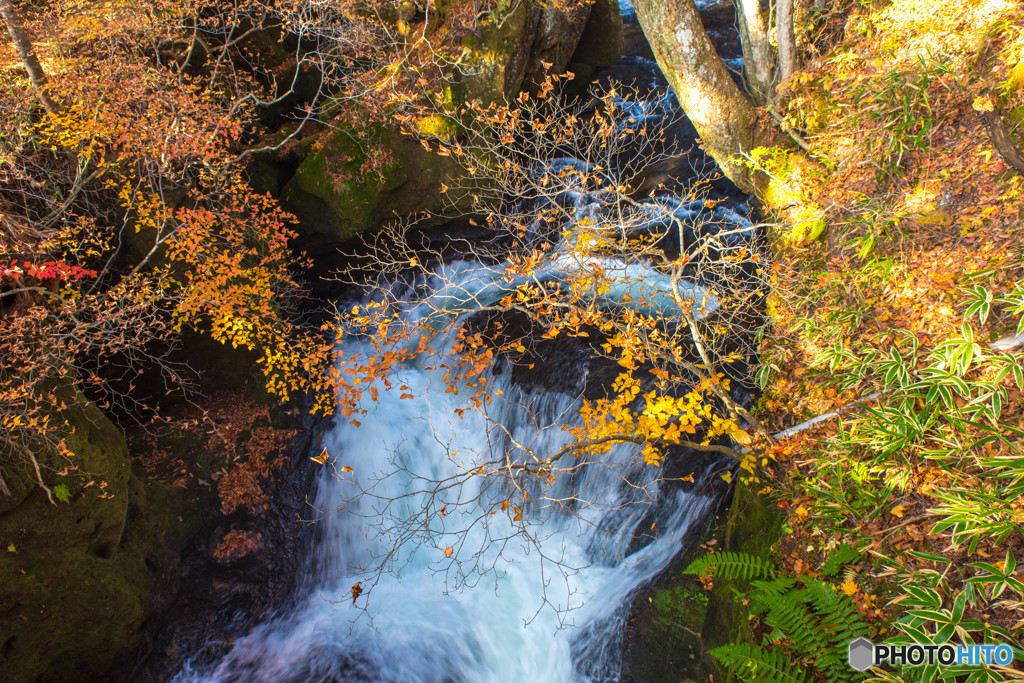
<point>351,181</point>
<point>601,43</point>
<point>203,602</point>
<point>71,597</point>
<point>716,13</point>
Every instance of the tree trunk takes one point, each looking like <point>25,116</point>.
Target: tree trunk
<point>1001,140</point>
<point>725,118</point>
<point>758,54</point>
<point>786,37</point>
<point>27,54</point>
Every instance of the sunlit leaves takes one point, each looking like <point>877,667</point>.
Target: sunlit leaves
<point>979,303</point>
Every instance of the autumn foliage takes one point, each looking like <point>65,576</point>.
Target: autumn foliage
<point>125,213</point>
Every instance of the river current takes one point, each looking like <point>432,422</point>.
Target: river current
<point>466,595</point>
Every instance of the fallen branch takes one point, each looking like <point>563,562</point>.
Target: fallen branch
<point>1007,343</point>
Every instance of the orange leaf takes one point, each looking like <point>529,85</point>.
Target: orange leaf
<point>448,551</point>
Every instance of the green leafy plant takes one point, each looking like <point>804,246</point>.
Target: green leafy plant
<point>728,565</point>
<point>61,493</point>
<point>756,665</point>
<point>811,621</point>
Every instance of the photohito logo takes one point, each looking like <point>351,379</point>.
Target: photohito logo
<point>864,654</point>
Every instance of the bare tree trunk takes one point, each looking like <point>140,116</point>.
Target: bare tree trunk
<point>786,36</point>
<point>1001,140</point>
<point>27,54</point>
<point>758,54</point>
<point>723,115</point>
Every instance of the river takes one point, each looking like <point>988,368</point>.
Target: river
<point>456,593</point>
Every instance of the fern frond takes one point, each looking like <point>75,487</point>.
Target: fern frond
<point>837,612</point>
<point>843,554</point>
<point>839,624</point>
<point>753,664</point>
<point>788,613</point>
<point>729,565</point>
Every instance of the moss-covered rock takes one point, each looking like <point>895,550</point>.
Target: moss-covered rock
<point>787,192</point>
<point>510,51</point>
<point>679,622</point>
<point>76,578</point>
<point>69,603</point>
<point>349,181</point>
<point>352,181</point>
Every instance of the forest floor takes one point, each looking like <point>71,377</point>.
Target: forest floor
<point>889,318</point>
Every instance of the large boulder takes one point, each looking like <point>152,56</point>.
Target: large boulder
<point>353,178</point>
<point>518,46</point>
<point>68,603</point>
<point>353,181</point>
<point>602,42</point>
<point>78,579</point>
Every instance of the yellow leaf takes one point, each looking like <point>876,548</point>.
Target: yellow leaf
<point>849,587</point>
<point>346,468</point>
<point>982,104</point>
<point>898,511</point>
<point>727,477</point>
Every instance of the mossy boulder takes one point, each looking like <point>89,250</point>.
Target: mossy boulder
<point>678,622</point>
<point>352,181</point>
<point>791,179</point>
<point>511,50</point>
<point>68,603</point>
<point>76,577</point>
<point>754,526</point>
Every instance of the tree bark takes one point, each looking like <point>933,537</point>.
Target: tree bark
<point>27,54</point>
<point>786,37</point>
<point>1001,140</point>
<point>725,118</point>
<point>758,54</point>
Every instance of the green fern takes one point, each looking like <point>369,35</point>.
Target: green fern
<point>836,611</point>
<point>730,565</point>
<point>754,664</point>
<point>788,612</point>
<point>843,554</point>
<point>814,620</point>
<point>818,621</point>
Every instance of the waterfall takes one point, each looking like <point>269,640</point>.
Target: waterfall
<point>454,583</point>
<point>545,598</point>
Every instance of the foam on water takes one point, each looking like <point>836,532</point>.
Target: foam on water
<point>547,602</point>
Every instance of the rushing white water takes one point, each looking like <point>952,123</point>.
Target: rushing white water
<point>544,598</point>
<point>545,601</point>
